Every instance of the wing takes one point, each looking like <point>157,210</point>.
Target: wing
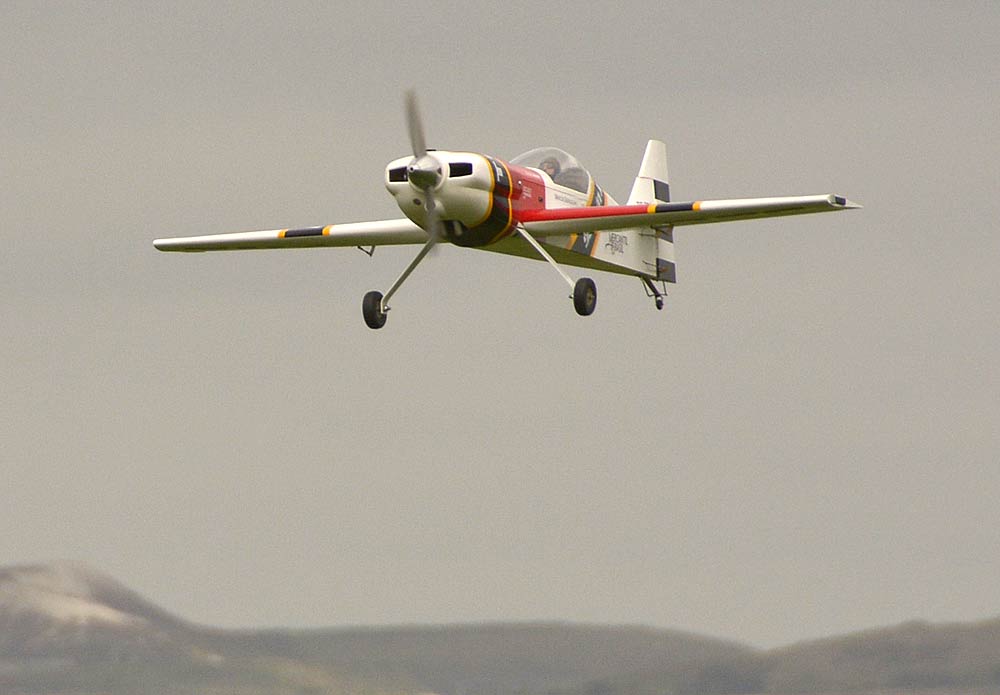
<point>378,233</point>
<point>558,221</point>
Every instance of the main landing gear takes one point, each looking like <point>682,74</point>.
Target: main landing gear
<point>375,307</point>
<point>584,290</point>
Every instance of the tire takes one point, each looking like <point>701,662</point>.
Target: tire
<point>371,307</point>
<point>585,297</point>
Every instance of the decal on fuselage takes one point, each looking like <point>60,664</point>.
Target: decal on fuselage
<point>616,243</point>
<point>597,198</point>
<point>584,243</point>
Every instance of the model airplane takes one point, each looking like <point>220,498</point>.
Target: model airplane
<point>542,204</point>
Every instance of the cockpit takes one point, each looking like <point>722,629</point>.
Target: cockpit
<point>562,167</point>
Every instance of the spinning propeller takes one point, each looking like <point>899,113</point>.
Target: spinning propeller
<point>424,173</point>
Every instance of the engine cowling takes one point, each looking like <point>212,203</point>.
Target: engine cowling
<point>473,196</point>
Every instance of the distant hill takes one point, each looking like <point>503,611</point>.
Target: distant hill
<point>914,657</point>
<point>67,629</point>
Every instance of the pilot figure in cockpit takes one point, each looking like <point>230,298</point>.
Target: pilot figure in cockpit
<point>550,165</point>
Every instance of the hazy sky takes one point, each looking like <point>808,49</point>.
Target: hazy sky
<point>804,442</point>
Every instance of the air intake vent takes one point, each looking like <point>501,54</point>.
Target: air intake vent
<point>397,174</point>
<point>460,169</point>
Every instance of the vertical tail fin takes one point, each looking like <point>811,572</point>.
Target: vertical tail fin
<point>652,186</point>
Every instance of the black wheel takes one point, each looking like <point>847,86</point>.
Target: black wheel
<point>371,307</point>
<point>585,296</point>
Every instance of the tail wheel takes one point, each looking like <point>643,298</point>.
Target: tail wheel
<point>371,307</point>
<point>585,296</point>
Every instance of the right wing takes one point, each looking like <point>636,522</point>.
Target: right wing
<point>377,233</point>
<point>581,220</point>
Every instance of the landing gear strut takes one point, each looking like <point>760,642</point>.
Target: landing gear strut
<point>654,292</point>
<point>584,290</point>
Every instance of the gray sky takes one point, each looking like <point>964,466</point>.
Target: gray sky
<point>804,442</point>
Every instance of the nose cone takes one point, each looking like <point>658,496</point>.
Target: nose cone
<point>425,172</point>
<point>458,184</point>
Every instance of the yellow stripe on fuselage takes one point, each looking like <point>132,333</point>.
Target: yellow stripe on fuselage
<point>493,185</point>
<point>510,201</point>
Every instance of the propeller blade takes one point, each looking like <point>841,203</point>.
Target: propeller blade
<point>415,126</point>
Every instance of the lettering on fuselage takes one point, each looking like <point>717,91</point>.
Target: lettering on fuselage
<point>571,200</point>
<point>500,173</point>
<point>616,243</point>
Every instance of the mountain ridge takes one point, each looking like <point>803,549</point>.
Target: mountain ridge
<point>67,628</point>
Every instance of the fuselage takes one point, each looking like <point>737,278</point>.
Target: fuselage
<point>480,198</point>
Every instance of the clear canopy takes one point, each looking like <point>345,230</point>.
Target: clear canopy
<point>562,167</point>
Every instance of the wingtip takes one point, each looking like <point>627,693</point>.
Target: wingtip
<point>845,204</point>
<point>168,245</point>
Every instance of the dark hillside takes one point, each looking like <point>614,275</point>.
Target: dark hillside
<point>493,658</point>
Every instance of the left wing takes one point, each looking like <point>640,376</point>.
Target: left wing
<point>558,221</point>
<point>378,233</point>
